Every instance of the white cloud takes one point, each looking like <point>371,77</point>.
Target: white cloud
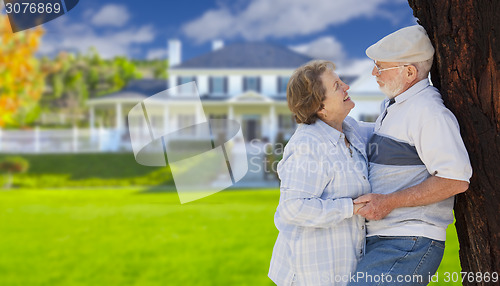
<point>355,67</point>
<point>112,15</point>
<point>71,36</point>
<point>278,18</point>
<point>327,48</point>
<point>154,54</point>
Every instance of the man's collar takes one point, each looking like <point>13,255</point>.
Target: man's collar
<point>414,89</point>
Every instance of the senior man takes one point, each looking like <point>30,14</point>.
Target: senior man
<point>417,163</point>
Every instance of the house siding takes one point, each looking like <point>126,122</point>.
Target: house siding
<point>269,86</point>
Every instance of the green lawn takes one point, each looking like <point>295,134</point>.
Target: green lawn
<point>451,262</point>
<point>141,237</point>
<point>88,170</point>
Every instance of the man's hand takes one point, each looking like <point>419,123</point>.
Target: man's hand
<point>432,190</point>
<point>376,206</point>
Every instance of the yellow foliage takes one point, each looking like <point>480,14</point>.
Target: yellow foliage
<point>21,78</point>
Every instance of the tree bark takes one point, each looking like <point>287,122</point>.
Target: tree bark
<point>465,34</point>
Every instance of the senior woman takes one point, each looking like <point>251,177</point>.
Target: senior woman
<point>324,167</point>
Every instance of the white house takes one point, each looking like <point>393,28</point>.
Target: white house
<point>247,82</point>
<point>242,81</point>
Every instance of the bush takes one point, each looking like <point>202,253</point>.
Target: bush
<point>13,165</point>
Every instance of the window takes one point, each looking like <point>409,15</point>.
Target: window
<point>282,82</point>
<point>251,83</point>
<point>188,89</point>
<point>218,126</point>
<point>218,85</point>
<point>185,79</point>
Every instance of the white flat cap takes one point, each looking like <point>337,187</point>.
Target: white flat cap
<point>410,44</point>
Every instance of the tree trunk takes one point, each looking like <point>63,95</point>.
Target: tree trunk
<point>465,34</point>
<point>8,181</point>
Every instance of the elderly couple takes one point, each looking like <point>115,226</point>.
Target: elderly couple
<point>397,177</point>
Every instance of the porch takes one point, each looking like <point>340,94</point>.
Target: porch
<point>75,140</point>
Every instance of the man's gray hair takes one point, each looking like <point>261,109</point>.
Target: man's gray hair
<point>423,68</point>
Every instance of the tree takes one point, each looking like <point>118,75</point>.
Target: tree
<point>21,79</point>
<point>156,68</point>
<point>72,79</point>
<point>465,34</point>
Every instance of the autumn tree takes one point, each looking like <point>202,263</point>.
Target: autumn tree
<point>21,80</point>
<point>465,34</point>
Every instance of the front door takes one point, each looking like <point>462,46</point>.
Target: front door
<point>251,127</point>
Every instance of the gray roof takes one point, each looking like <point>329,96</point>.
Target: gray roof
<point>139,88</point>
<point>348,79</point>
<point>247,55</point>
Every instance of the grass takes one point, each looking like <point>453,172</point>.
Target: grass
<point>450,263</point>
<point>140,237</point>
<point>88,170</point>
<point>129,237</point>
<point>84,166</point>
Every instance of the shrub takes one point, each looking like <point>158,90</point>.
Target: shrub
<point>13,165</point>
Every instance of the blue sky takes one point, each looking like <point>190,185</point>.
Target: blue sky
<point>340,30</point>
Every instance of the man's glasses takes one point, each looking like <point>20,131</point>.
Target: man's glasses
<point>379,70</point>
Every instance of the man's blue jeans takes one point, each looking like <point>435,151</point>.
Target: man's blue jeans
<point>399,260</point>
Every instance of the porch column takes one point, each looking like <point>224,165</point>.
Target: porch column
<point>273,124</point>
<point>101,138</point>
<point>230,116</point>
<point>230,112</point>
<point>92,121</point>
<point>166,120</point>
<point>119,120</point>
<point>198,114</point>
<point>166,124</point>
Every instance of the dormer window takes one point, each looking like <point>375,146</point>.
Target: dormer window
<point>251,83</point>
<point>282,82</point>
<point>218,85</point>
<point>185,79</point>
<point>187,89</point>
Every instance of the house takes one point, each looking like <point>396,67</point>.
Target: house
<point>247,82</point>
<point>121,101</point>
<point>242,81</point>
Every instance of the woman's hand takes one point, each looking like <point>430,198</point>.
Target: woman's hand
<point>377,207</point>
<point>357,207</point>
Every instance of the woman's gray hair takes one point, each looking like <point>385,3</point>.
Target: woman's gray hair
<point>305,91</point>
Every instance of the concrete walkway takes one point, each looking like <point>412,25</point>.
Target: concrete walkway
<point>255,177</point>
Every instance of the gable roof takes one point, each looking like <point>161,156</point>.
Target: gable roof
<point>247,55</point>
<point>365,84</point>
<point>135,90</point>
<point>146,86</point>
